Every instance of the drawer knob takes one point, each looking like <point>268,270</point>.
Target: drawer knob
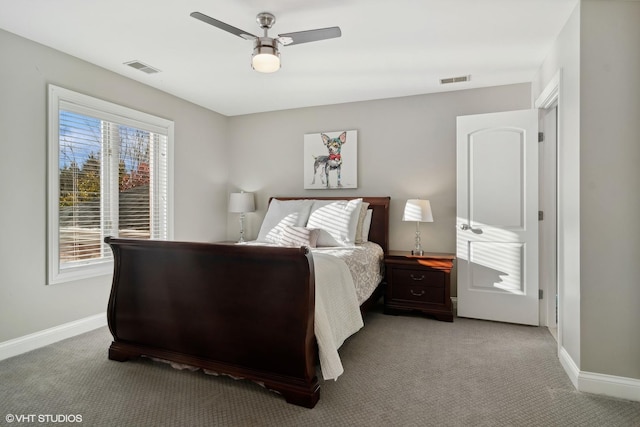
<point>417,278</point>
<point>417,294</point>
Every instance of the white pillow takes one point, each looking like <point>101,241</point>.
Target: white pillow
<point>363,214</point>
<point>366,225</point>
<point>299,236</point>
<point>283,213</point>
<point>337,221</point>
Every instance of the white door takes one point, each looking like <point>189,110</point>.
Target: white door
<point>497,216</point>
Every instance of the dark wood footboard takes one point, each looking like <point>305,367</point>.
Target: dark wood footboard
<point>244,311</point>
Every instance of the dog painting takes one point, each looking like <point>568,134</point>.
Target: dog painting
<point>330,160</point>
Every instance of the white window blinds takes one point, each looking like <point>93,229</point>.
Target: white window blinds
<point>112,179</point>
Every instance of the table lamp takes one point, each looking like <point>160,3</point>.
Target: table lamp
<point>241,203</point>
<point>419,211</point>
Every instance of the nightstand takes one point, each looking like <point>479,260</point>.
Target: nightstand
<point>421,283</point>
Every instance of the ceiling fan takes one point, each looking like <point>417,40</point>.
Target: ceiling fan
<point>266,55</point>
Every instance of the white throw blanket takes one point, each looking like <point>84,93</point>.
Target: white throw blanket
<point>337,312</point>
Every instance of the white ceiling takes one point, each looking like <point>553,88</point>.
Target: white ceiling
<point>387,49</point>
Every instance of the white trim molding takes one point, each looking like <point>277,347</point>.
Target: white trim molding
<point>454,305</point>
<point>569,366</point>
<point>69,113</point>
<point>607,385</point>
<point>49,336</point>
<point>550,93</point>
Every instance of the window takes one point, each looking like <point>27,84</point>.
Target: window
<point>109,175</point>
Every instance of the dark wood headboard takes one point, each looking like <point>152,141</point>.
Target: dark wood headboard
<point>379,231</point>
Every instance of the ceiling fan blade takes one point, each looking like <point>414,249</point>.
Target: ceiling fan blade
<point>226,27</point>
<point>290,39</point>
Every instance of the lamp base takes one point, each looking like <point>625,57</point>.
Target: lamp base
<point>417,251</point>
<point>241,239</point>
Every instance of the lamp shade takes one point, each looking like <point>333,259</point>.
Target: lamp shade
<point>241,202</point>
<point>417,210</point>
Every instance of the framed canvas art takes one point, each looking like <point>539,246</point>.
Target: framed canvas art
<point>331,160</point>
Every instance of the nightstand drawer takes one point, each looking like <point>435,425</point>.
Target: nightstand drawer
<point>417,293</point>
<point>418,277</point>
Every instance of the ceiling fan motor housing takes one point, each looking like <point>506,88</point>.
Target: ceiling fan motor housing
<point>265,20</point>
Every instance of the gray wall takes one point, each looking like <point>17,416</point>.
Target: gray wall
<point>599,55</point>
<point>610,187</point>
<point>27,304</point>
<point>406,149</point>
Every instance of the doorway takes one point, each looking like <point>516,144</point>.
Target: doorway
<point>548,104</point>
<point>547,202</point>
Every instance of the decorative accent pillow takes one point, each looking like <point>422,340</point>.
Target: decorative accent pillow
<point>281,214</point>
<point>337,221</point>
<point>363,214</point>
<point>299,236</point>
<point>366,226</point>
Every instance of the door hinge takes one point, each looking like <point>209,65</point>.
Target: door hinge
<point>540,136</point>
<point>540,293</point>
<point>540,215</point>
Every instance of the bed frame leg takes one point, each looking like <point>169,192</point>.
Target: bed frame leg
<point>306,400</point>
<point>120,354</point>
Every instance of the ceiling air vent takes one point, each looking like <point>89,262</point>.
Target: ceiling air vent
<point>142,67</point>
<point>455,80</point>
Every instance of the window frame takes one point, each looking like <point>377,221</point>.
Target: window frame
<point>105,110</point>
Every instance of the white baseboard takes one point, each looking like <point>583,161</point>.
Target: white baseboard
<point>569,366</point>
<point>607,385</point>
<point>39,339</point>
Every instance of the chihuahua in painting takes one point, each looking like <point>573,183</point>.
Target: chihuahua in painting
<point>331,162</point>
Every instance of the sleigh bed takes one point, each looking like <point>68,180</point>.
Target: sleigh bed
<point>243,310</point>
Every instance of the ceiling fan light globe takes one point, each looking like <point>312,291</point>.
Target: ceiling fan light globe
<point>265,63</point>
<point>266,57</point>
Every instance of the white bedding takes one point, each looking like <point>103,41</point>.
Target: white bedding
<point>345,277</point>
<point>337,312</point>
<point>365,263</point>
<point>360,269</point>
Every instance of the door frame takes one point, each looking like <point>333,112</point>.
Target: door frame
<point>548,99</point>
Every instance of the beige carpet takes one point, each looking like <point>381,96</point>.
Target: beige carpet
<point>399,371</point>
